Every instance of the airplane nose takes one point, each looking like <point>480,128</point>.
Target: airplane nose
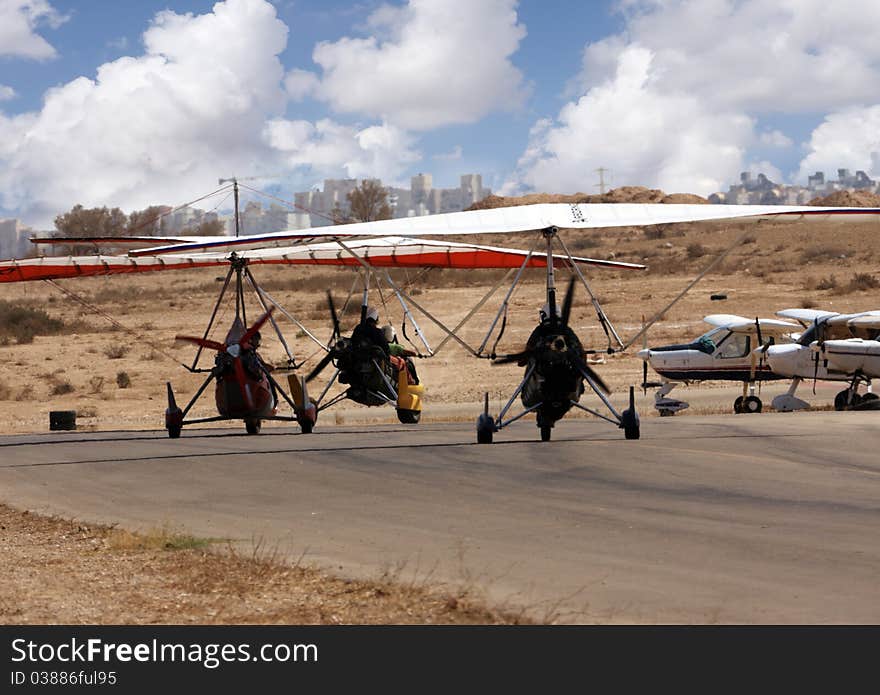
<point>644,354</point>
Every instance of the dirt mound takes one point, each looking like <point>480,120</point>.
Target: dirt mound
<point>624,194</point>
<point>849,199</point>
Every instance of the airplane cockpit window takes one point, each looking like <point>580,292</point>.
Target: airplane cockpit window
<point>736,345</point>
<point>709,340</point>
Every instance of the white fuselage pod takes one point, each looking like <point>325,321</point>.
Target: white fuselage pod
<point>852,355</point>
<point>838,360</point>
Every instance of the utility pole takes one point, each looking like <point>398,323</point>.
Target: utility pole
<point>235,191</point>
<point>601,171</point>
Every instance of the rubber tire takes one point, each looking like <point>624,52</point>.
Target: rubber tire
<point>306,426</point>
<point>752,404</point>
<point>409,417</point>
<point>631,426</point>
<point>252,426</point>
<point>174,431</point>
<point>546,431</point>
<point>841,398</point>
<point>666,413</point>
<point>737,405</point>
<point>485,429</point>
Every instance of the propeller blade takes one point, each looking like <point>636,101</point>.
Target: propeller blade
<point>645,377</point>
<point>212,344</point>
<point>581,364</point>
<point>243,383</point>
<point>246,338</point>
<point>507,359</point>
<point>566,303</point>
<point>320,366</point>
<point>334,317</point>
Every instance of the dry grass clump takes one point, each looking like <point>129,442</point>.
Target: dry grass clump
<point>22,322</point>
<point>123,380</point>
<point>861,281</point>
<point>116,351</point>
<point>818,254</point>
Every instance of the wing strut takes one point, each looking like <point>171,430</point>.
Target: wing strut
<point>656,317</point>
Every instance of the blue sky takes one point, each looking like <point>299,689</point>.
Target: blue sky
<point>135,103</point>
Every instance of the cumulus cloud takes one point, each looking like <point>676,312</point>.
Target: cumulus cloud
<point>709,88</point>
<point>848,139</point>
<point>454,155</point>
<point>153,128</point>
<point>325,147</point>
<point>646,136</point>
<point>6,93</point>
<point>19,21</point>
<point>300,83</point>
<point>430,63</point>
<point>205,100</point>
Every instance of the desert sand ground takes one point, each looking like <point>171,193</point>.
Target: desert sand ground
<point>83,368</point>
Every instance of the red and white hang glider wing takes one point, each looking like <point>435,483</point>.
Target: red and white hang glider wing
<point>522,219</point>
<point>389,252</point>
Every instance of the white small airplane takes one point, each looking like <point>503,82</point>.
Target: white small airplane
<point>834,347</point>
<point>728,352</point>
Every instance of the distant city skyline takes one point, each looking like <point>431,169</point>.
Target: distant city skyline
<point>122,104</point>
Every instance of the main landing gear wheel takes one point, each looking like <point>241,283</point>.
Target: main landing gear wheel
<point>751,404</point>
<point>842,400</point>
<point>738,405</point>
<point>306,426</point>
<point>409,417</point>
<point>174,431</point>
<point>252,426</point>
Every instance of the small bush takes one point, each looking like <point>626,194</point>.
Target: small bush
<point>807,303</point>
<point>116,351</point>
<point>123,380</point>
<point>26,393</point>
<point>863,281</point>
<point>695,250</point>
<point>60,388</point>
<point>829,283</point>
<point>23,322</point>
<point>96,384</point>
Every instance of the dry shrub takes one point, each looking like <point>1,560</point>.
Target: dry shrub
<point>807,303</point>
<point>96,384</point>
<point>61,387</point>
<point>862,281</point>
<point>821,253</point>
<point>25,394</point>
<point>23,322</point>
<point>696,250</point>
<point>829,283</point>
<point>123,380</point>
<point>116,351</point>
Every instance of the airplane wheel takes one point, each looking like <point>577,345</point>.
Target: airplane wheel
<point>485,429</point>
<point>306,426</point>
<point>738,405</point>
<point>629,421</point>
<point>252,426</point>
<point>870,397</point>
<point>545,432</point>
<point>409,417</point>
<point>752,404</point>
<point>842,402</point>
<point>174,431</point>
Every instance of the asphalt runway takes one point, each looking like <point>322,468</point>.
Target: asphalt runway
<point>770,518</point>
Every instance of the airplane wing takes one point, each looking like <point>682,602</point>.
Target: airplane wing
<point>869,321</point>
<point>768,327</point>
<point>117,240</point>
<point>723,319</point>
<point>805,316</point>
<point>389,252</point>
<point>847,319</point>
<point>523,218</point>
<point>741,324</point>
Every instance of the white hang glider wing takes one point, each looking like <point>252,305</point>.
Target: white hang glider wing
<point>522,218</point>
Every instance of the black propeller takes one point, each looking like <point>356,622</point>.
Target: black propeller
<point>336,333</point>
<point>566,303</point>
